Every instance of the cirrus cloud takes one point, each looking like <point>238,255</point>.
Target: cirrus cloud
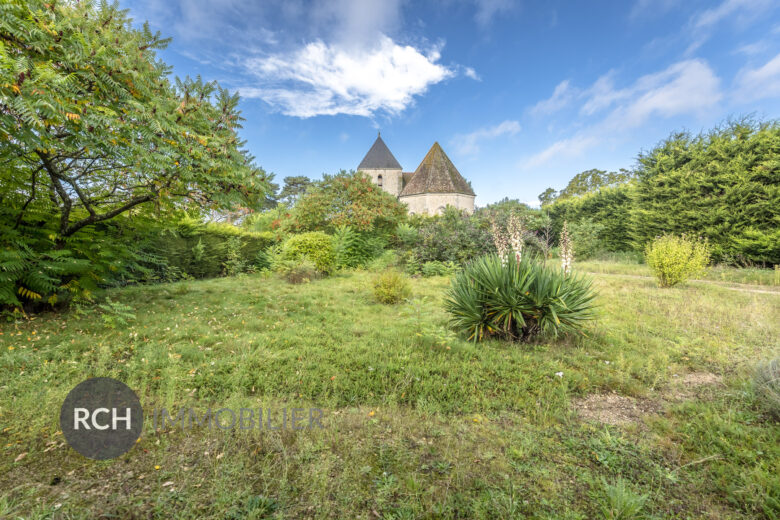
<point>469,143</point>
<point>685,87</point>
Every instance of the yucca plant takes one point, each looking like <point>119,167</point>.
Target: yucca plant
<point>517,300</point>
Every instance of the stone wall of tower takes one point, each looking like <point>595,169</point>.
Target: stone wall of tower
<point>392,179</point>
<point>434,203</point>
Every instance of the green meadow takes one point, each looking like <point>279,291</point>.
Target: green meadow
<point>650,414</point>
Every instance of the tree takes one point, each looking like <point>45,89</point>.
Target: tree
<point>723,185</point>
<point>293,188</point>
<point>593,180</point>
<point>347,199</point>
<point>91,127</point>
<point>548,196</point>
<point>92,132</point>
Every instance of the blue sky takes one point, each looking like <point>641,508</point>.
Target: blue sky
<point>522,95</point>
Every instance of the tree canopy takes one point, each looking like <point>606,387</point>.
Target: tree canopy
<point>347,199</point>
<point>91,126</point>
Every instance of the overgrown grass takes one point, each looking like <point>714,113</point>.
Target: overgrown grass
<point>717,273</point>
<point>419,423</point>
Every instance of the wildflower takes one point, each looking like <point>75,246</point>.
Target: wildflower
<point>559,374</point>
<point>157,467</point>
<point>567,252</point>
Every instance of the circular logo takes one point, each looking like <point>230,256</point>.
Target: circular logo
<point>101,418</point>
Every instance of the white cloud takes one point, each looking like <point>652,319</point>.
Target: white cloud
<point>357,22</point>
<point>469,143</point>
<point>327,79</point>
<point>760,83</point>
<point>686,87</point>
<point>471,73</point>
<point>738,11</point>
<point>563,94</point>
<point>488,9</point>
<point>570,147</point>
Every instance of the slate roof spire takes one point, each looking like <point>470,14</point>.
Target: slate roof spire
<point>437,174</point>
<point>379,157</point>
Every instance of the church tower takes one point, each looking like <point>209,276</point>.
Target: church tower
<point>380,165</point>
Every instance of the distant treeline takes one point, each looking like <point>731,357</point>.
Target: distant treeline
<point>723,185</point>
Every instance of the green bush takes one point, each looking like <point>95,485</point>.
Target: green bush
<point>355,249</point>
<point>301,270</point>
<point>314,245</point>
<point>405,235</point>
<point>436,268</point>
<point>674,259</point>
<point>585,238</point>
<point>766,383</point>
<point>453,237</point>
<point>37,272</point>
<point>386,260</point>
<point>391,287</point>
<point>194,249</point>
<point>516,301</point>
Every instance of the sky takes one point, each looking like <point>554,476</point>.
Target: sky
<point>521,95</point>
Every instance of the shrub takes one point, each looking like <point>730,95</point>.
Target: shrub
<point>766,382</point>
<point>316,246</point>
<point>517,300</point>
<point>405,235</point>
<point>391,287</point>
<point>453,237</point>
<point>585,238</point>
<point>386,260</point>
<point>437,268</point>
<point>354,249</point>
<point>298,271</point>
<point>206,250</point>
<point>674,259</point>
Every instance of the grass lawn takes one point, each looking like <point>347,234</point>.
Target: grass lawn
<point>651,414</point>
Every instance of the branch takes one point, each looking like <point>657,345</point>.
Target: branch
<point>30,199</point>
<point>66,200</point>
<point>95,218</point>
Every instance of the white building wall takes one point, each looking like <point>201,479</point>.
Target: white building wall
<point>434,203</point>
<point>392,179</point>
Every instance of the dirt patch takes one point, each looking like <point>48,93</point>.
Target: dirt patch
<point>614,409</point>
<point>693,385</point>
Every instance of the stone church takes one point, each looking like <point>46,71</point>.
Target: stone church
<point>435,183</point>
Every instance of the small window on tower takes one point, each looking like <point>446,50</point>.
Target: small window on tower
<point>379,180</point>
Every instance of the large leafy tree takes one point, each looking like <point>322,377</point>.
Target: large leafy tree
<point>347,199</point>
<point>91,126</point>
<point>93,130</point>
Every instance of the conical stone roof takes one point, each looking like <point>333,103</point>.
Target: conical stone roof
<point>437,174</point>
<point>379,157</point>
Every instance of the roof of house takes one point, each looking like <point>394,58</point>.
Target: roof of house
<point>407,176</point>
<point>379,156</point>
<point>436,174</point>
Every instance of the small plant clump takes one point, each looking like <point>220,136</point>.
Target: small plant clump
<point>391,287</point>
<point>675,259</point>
<point>436,268</point>
<point>767,387</point>
<point>298,271</point>
<point>517,300</point>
